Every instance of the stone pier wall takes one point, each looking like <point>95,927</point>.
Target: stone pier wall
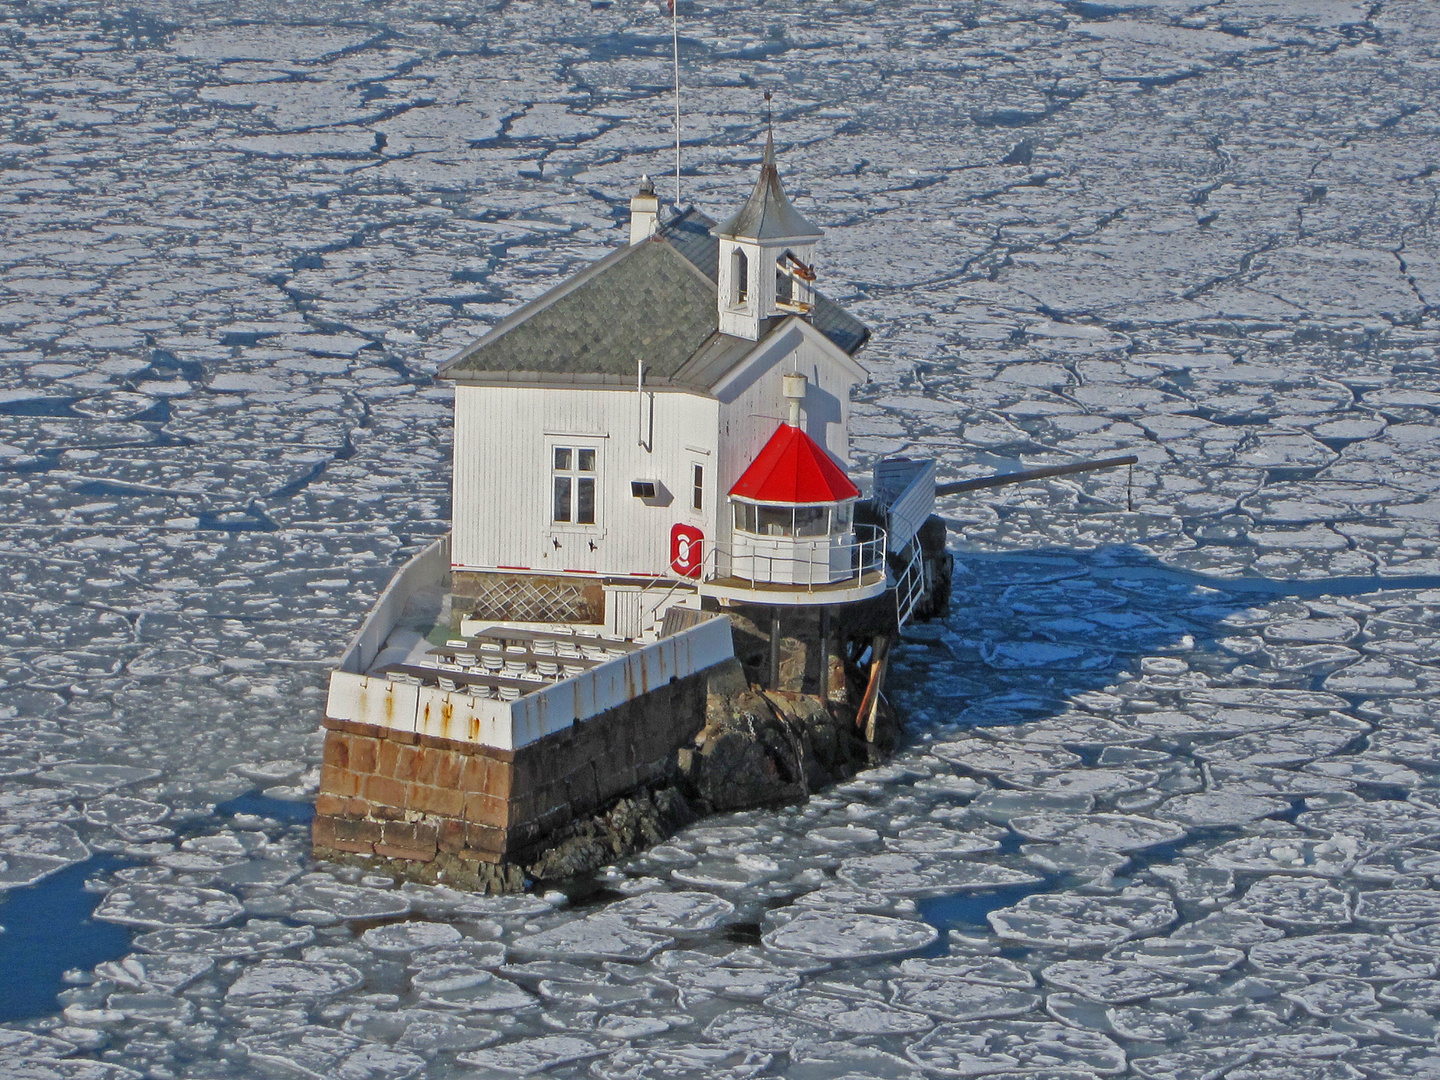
<point>440,809</point>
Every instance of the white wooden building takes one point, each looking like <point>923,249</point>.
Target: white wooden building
<point>602,429</point>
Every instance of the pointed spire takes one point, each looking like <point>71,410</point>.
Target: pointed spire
<point>769,133</point>
<point>768,213</point>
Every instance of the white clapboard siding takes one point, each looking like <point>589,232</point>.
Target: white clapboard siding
<point>504,437</point>
<point>906,487</point>
<point>753,404</point>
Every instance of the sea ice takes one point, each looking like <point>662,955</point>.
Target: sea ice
<point>422,1031</point>
<point>407,937</point>
<point>1355,956</point>
<point>1219,808</point>
<point>254,938</point>
<point>1269,854</point>
<point>920,875</point>
<point>168,906</point>
<point>1328,998</point>
<point>840,936</point>
<point>1112,832</point>
<point>321,1053</point>
<point>1178,956</point>
<point>681,1063</point>
<point>1075,921</point>
<point>1228,928</point>
<point>1398,908</point>
<point>752,1029</point>
<point>282,981</point>
<point>1108,982</point>
<point>166,972</point>
<point>989,970</point>
<point>849,1016</point>
<point>596,937</point>
<point>959,999</point>
<point>989,1048</point>
<point>333,900</point>
<point>1302,902</point>
<point>939,840</point>
<point>672,912</point>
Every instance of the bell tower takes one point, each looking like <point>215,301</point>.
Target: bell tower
<point>766,252</point>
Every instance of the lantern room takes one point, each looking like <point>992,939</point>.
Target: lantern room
<point>793,510</point>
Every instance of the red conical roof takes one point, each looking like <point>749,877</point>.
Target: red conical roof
<point>794,469</point>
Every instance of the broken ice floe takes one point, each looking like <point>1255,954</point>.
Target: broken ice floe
<point>960,999</point>
<point>849,1015</point>
<point>1113,832</point>
<point>1110,982</point>
<point>325,1054</point>
<point>1074,921</point>
<point>1302,902</point>
<point>407,937</point>
<point>284,981</point>
<point>986,1048</point>
<point>168,906</point>
<point>837,936</point>
<point>596,937</point>
<point>921,875</point>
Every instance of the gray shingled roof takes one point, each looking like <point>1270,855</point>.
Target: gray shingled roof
<point>655,300</point>
<point>644,301</point>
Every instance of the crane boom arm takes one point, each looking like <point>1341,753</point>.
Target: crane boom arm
<point>1006,479</point>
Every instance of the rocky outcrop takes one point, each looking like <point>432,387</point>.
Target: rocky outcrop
<point>762,747</point>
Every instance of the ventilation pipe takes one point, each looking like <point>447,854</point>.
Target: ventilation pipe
<point>793,387</point>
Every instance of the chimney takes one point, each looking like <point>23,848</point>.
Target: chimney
<point>644,212</point>
<point>793,387</point>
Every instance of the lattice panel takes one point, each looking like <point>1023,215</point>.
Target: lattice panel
<point>531,599</point>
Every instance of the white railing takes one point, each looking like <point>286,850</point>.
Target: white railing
<point>430,569</point>
<point>909,586</point>
<point>798,562</point>
<point>378,701</point>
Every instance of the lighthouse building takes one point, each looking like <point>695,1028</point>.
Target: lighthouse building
<point>669,424</point>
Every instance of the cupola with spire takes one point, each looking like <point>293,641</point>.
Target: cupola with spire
<point>766,255</point>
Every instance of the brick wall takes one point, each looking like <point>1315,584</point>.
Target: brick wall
<point>415,798</point>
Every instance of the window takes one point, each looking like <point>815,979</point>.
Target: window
<point>745,517</point>
<point>574,485</point>
<point>776,521</point>
<point>812,520</point>
<point>784,287</point>
<point>740,273</point>
<point>697,487</point>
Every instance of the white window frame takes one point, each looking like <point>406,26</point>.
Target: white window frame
<point>575,444</point>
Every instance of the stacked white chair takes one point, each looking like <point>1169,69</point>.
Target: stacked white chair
<point>492,658</point>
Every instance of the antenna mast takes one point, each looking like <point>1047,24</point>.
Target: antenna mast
<point>675,45</point>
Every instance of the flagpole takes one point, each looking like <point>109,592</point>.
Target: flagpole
<point>675,45</point>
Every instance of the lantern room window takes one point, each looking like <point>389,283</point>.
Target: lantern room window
<point>796,521</point>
